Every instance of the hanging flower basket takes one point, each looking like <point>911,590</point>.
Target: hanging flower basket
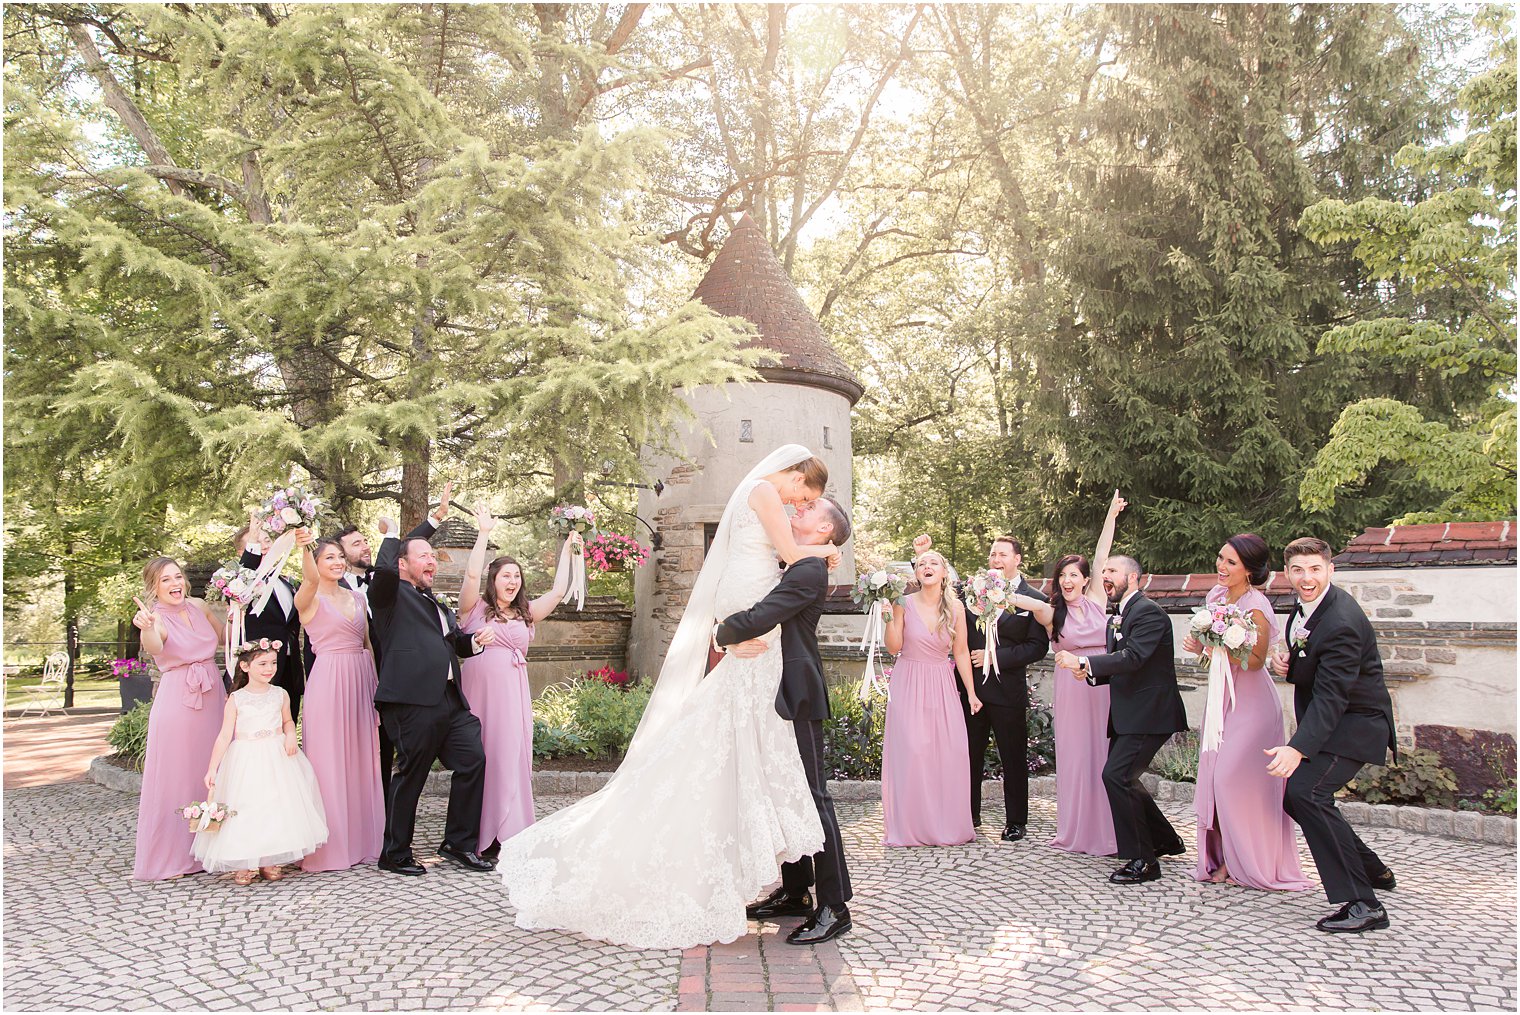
<point>611,552</point>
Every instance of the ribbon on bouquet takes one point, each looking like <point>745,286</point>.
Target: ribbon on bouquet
<point>236,628</point>
<point>876,629</point>
<point>273,562</point>
<point>1221,682</point>
<point>989,653</point>
<point>577,588</point>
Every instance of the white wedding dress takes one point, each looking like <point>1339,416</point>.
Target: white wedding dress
<point>699,817</point>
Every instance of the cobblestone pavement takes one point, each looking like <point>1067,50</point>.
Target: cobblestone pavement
<point>983,926</point>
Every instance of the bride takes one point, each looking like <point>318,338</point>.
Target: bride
<point>711,797</point>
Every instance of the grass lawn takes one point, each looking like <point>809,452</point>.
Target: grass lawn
<point>88,692</point>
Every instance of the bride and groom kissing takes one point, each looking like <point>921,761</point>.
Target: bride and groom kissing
<point>723,788</point>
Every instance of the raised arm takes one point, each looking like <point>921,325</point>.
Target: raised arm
<point>1105,546</point>
<point>306,595</point>
<point>382,588</point>
<point>545,604</point>
<point>778,528</point>
<point>1044,613</point>
<point>475,566</point>
<point>793,595</point>
<point>146,621</point>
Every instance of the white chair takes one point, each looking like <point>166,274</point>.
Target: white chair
<point>55,672</point>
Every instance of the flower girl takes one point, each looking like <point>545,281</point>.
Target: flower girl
<point>258,772</point>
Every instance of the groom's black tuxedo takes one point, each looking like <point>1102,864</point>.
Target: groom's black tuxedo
<point>1345,719</point>
<point>796,604</point>
<point>273,622</point>
<point>421,705</point>
<point>1144,710</point>
<point>1004,717</point>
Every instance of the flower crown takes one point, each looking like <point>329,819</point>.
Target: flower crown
<point>262,645</point>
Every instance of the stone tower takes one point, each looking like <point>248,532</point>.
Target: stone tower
<point>805,398</point>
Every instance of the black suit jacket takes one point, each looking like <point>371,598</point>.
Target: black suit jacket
<point>417,657</point>
<point>1339,696</point>
<point>797,605</point>
<point>1140,670</point>
<point>1021,640</point>
<point>272,622</point>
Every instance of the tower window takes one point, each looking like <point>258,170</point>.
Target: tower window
<point>826,438</point>
<point>746,431</point>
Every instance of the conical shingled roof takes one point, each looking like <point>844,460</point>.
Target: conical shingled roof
<point>747,281</point>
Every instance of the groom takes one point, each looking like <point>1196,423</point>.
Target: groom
<point>797,604</point>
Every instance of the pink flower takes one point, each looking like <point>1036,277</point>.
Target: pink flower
<point>1219,627</point>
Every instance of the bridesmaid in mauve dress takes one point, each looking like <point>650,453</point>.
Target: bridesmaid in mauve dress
<point>1244,836</point>
<point>1077,621</point>
<point>180,633</point>
<point>340,729</point>
<point>925,784</point>
<point>495,682</point>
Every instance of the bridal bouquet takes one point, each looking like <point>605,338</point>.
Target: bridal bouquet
<point>289,507</point>
<point>987,593</point>
<point>568,518</point>
<point>563,520</point>
<point>1227,632</point>
<point>237,586</point>
<point>205,815</point>
<point>874,591</point>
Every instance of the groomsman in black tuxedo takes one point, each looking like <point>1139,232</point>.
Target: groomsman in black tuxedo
<point>1345,721</point>
<point>278,620</point>
<point>420,702</point>
<point>1004,716</point>
<point>361,571</point>
<point>1145,709</point>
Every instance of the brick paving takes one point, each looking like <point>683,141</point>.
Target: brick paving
<point>983,926</point>
<point>44,750</point>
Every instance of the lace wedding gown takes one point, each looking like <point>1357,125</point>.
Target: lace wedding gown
<point>696,821</point>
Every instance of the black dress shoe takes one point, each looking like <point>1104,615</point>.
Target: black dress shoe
<point>780,903</point>
<point>825,925</point>
<point>491,852</point>
<point>409,866</point>
<point>1136,872</point>
<point>1384,882</point>
<point>1353,918</point>
<point>976,821</point>
<point>465,858</point>
<point>1013,833</point>
<point>1173,849</point>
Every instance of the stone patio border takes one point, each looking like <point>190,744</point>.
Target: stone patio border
<point>1468,826</point>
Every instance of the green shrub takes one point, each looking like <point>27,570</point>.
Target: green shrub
<point>1501,800</point>
<point>590,718</point>
<point>1418,777</point>
<point>1177,760</point>
<point>852,735</point>
<point>129,734</point>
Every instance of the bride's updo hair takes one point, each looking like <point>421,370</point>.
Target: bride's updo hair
<point>814,473</point>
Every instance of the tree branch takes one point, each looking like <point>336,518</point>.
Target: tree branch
<point>120,103</point>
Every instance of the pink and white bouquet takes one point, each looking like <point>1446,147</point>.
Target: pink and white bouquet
<point>1227,632</point>
<point>290,507</point>
<point>233,583</point>
<point>874,591</point>
<point>1225,627</point>
<point>568,518</point>
<point>612,552</point>
<point>987,594</point>
<point>205,815</point>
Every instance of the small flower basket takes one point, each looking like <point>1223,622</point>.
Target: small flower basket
<point>612,552</point>
<point>205,815</point>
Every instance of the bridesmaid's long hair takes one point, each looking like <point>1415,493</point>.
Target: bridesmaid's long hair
<point>949,603</point>
<point>1057,600</point>
<point>519,604</point>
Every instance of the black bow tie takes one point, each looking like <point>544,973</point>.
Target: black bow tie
<point>1113,609</point>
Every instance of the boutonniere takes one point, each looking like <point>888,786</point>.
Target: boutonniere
<point>1300,638</point>
<point>1114,622</point>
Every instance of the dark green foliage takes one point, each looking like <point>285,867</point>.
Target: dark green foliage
<point>129,734</point>
<point>1178,758</point>
<point>1418,777</point>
